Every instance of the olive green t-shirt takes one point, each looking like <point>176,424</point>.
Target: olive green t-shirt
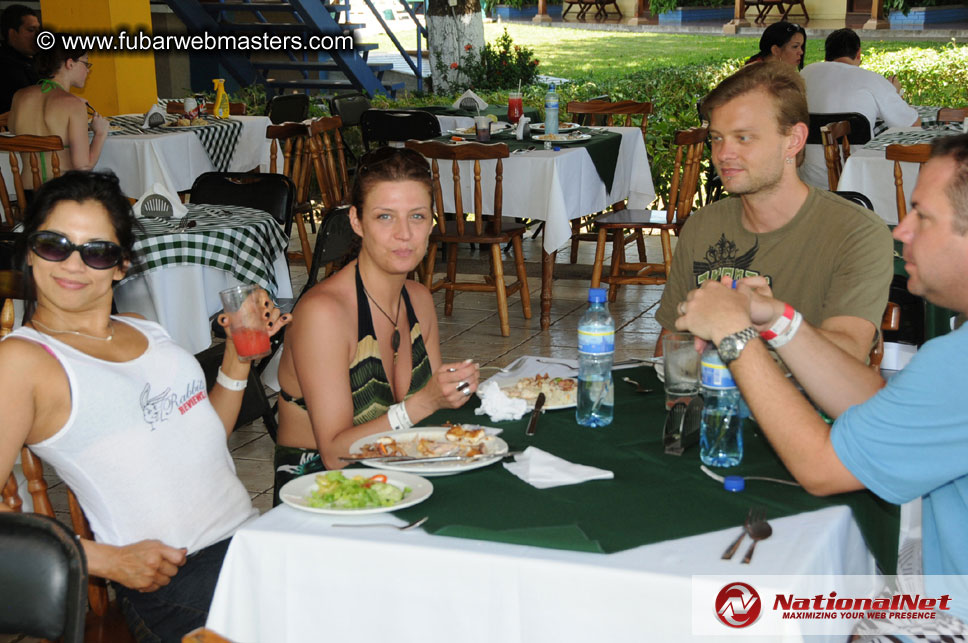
<point>834,258</point>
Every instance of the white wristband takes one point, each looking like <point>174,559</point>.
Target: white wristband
<point>398,416</point>
<point>790,331</point>
<point>229,383</point>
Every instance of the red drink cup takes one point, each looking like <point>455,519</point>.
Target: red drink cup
<point>247,322</point>
<point>515,107</point>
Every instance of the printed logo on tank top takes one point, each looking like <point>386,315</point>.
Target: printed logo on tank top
<point>156,410</point>
<point>723,260</point>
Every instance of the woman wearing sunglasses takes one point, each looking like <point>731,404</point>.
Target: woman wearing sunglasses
<point>363,355</point>
<point>783,41</point>
<point>122,413</point>
<point>50,109</point>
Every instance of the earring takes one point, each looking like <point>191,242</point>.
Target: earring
<point>789,161</point>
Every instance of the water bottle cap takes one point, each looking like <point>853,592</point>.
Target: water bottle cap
<point>734,483</point>
<point>551,87</point>
<point>597,295</point>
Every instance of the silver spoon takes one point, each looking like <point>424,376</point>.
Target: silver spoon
<point>413,525</point>
<point>638,387</point>
<point>758,530</point>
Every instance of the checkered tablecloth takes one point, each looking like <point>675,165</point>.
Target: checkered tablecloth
<point>219,137</point>
<point>881,141</point>
<point>241,241</point>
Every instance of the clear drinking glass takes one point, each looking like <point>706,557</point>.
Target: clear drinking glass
<point>246,321</point>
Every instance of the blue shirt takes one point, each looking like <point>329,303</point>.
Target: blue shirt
<point>911,440</point>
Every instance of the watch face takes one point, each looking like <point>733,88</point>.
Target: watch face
<point>729,349</point>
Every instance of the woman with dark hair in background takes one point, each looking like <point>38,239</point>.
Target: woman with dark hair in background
<point>783,41</point>
<point>363,356</point>
<point>49,108</point>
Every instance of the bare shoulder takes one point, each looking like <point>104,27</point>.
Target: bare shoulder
<point>330,304</point>
<point>25,360</point>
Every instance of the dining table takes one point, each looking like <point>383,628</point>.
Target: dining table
<point>452,118</point>
<point>575,178</point>
<point>501,560</point>
<point>180,270</point>
<point>868,171</point>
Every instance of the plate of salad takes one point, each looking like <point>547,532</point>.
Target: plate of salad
<point>355,491</point>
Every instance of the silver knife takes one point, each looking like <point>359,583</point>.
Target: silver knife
<point>408,459</point>
<point>535,414</point>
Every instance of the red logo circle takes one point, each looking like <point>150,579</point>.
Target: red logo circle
<point>738,605</point>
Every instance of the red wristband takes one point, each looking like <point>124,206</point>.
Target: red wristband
<point>780,325</point>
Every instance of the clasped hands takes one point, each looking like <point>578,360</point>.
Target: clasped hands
<point>720,308</point>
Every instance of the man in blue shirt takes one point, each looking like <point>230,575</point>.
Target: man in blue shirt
<point>902,441</point>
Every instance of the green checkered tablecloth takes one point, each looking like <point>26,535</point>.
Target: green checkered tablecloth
<point>219,137</point>
<point>241,241</point>
<point>881,141</point>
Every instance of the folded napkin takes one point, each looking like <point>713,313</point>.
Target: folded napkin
<point>459,103</point>
<point>542,470</point>
<point>154,117</point>
<point>159,201</point>
<point>498,406</point>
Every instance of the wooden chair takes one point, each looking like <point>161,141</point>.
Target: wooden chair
<point>293,140</point>
<point>326,152</point>
<point>30,147</point>
<point>178,107</point>
<point>918,153</point>
<point>836,149</point>
<point>204,635</point>
<point>104,620</point>
<point>597,110</point>
<point>682,193</point>
<point>952,114</point>
<point>3,121</point>
<point>890,321</point>
<point>486,230</point>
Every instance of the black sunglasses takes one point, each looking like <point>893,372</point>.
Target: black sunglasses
<point>53,246</point>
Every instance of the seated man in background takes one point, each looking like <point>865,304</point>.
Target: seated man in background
<point>830,258</point>
<point>902,441</point>
<point>19,25</point>
<point>840,85</point>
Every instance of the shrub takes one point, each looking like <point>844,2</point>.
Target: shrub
<point>502,65</point>
<point>928,76</point>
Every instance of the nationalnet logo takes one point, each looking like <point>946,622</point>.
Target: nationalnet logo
<point>738,605</point>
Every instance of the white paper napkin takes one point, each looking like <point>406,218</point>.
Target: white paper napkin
<point>498,406</point>
<point>178,208</point>
<point>154,117</point>
<point>469,94</point>
<point>542,470</point>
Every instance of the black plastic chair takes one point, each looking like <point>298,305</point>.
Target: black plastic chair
<point>856,197</point>
<point>255,403</point>
<point>273,193</point>
<point>288,108</point>
<point>335,239</point>
<point>860,127</point>
<point>43,578</point>
<point>349,107</point>
<point>381,126</point>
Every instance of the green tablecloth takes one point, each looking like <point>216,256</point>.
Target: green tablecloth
<point>654,497</point>
<point>603,148</point>
<point>501,111</point>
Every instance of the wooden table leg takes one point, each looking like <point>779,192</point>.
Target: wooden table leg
<point>547,276</point>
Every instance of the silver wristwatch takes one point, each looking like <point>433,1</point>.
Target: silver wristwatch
<point>732,345</point>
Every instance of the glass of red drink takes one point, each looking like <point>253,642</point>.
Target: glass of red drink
<point>246,322</point>
<point>515,107</point>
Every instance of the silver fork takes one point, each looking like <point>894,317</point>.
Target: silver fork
<point>758,530</point>
<point>413,525</point>
<point>728,554</point>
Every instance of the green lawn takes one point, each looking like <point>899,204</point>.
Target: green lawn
<point>599,55</point>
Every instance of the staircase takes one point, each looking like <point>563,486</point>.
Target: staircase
<point>301,18</point>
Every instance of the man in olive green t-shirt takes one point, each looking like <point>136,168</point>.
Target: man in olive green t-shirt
<point>830,259</point>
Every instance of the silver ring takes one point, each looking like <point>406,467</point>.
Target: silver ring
<point>467,391</point>
<point>681,308</point>
<point>463,385</point>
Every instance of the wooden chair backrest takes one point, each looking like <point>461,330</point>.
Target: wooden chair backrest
<point>626,108</point>
<point>686,170</point>
<point>890,321</point>
<point>477,152</point>
<point>836,149</point>
<point>178,107</point>
<point>293,140</point>
<point>26,146</point>
<point>329,161</point>
<point>952,114</point>
<point>918,153</point>
<point>3,121</point>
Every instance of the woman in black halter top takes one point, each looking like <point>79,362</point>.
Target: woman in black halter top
<point>363,354</point>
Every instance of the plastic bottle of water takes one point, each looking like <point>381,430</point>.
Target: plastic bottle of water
<point>596,345</point>
<point>551,110</point>
<point>721,435</point>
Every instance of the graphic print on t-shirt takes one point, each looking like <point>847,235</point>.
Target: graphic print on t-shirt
<point>722,259</point>
<point>159,408</point>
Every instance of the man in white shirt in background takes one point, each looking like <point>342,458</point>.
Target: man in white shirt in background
<point>840,85</point>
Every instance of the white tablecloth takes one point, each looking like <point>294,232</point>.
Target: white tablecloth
<point>289,576</point>
<point>176,159</point>
<point>557,187</point>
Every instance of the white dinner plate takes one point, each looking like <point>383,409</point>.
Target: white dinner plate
<point>295,493</point>
<point>562,127</point>
<point>472,130</point>
<point>562,138</point>
<point>494,447</point>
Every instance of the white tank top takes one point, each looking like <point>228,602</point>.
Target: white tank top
<point>143,448</point>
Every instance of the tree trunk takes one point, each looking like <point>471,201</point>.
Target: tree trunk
<point>450,29</point>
